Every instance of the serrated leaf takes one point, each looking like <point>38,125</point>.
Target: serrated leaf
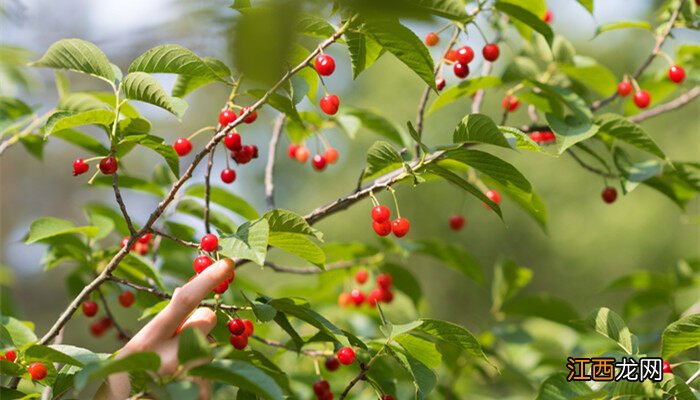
<point>381,158</point>
<point>675,386</point>
<point>453,256</point>
<point>48,227</point>
<point>462,183</point>
<point>570,131</point>
<point>465,88</point>
<point>478,128</point>
<point>82,140</point>
<point>131,363</point>
<point>609,324</point>
<point>192,345</point>
<point>240,374</point>
<point>364,51</point>
<point>288,221</point>
<point>225,198</point>
<point>528,18</point>
<point>39,352</point>
<point>279,102</point>
<point>314,26</point>
<point>306,314</point>
<point>186,84</point>
<point>622,129</point>
<point>488,164</point>
<point>452,9</point>
<point>421,349</point>
<point>263,312</point>
<point>424,378</point>
<point>249,242</point>
<point>15,332</point>
<point>531,202</point>
<point>681,335</point>
<point>172,59</point>
<point>77,55</point>
<point>157,144</point>
<point>298,245</point>
<point>623,25</point>
<point>65,119</point>
<point>143,87</point>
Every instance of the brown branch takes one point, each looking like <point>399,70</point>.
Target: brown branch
<point>118,327</point>
<point>269,168</point>
<point>590,168</point>
<point>679,102</point>
<point>175,239</point>
<point>312,353</point>
<point>122,205</point>
<point>28,130</point>
<point>207,191</point>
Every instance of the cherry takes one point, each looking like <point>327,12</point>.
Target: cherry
<point>108,165</point>
<point>676,74</point>
<point>292,150</point>
<point>440,83</point>
<point>331,155</point>
<point>226,117</point>
<point>548,16</point>
<point>494,196</point>
<point>319,162</point>
<point>642,99</point>
<point>542,137</point>
<point>232,141</point>
<point>387,397</point>
<point>609,195</point>
<point>374,296</point>
<point>400,227</point>
<point>384,281</point>
<point>456,222</point>
<point>244,155</point>
<point>146,238</point>
<point>329,104</point>
<point>201,263</point>
<point>2,357</point>
<point>465,54</point>
<point>302,154</point>
<point>228,175</point>
<point>141,248</point>
<point>386,296</point>
<point>332,363</point>
<point>361,276</point>
<point>221,287</point>
<point>321,387</point>
<point>126,298</point>
<point>326,396</point>
<point>80,167</point>
<point>249,328</point>
<point>325,65</point>
<point>37,371</point>
<point>511,103</point>
<point>346,355</point>
<point>10,355</point>
<point>90,308</point>
<point>460,70</point>
<point>451,55</point>
<point>382,228</point>
<point>491,52</point>
<point>344,299</point>
<point>98,328</point>
<point>182,146</point>
<point>232,277</point>
<point>624,88</point>
<point>236,326</point>
<point>254,150</point>
<point>239,342</point>
<point>381,213</point>
<point>209,242</point>
<point>251,117</point>
<point>357,296</point>
<point>431,39</point>
<point>667,368</point>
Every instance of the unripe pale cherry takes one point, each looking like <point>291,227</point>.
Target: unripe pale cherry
<point>80,167</point>
<point>344,299</point>
<point>182,146</point>
<point>302,154</point>
<point>431,39</point>
<point>331,155</point>
<point>329,104</point>
<point>325,65</point>
<point>451,55</point>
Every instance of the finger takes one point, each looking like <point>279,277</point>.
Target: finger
<point>187,298</point>
<point>203,319</point>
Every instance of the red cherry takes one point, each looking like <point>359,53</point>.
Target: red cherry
<point>667,368</point>
<point>221,287</point>
<point>451,55</point>
<point>374,296</point>
<point>676,74</point>
<point>387,397</point>
<point>108,165</point>
<point>126,298</point>
<point>431,39</point>
<point>332,363</point>
<point>146,238</point>
<point>326,396</point>
<point>319,162</point>
<point>344,299</point>
<point>228,175</point>
<point>400,227</point>
<point>548,137</point>
<point>10,355</point>
<point>386,296</point>
<point>465,54</point>
<point>141,248</point>
<point>321,387</point>
<point>80,167</point>
<point>456,222</point>
<point>292,150</point>
<point>460,70</point>
<point>302,154</point>
<point>226,117</point>
<point>201,263</point>
<point>548,16</point>
<point>232,141</point>
<point>90,308</point>
<point>37,371</point>
<point>357,296</point>
<point>331,155</point>
<point>249,328</point>
<point>346,355</point>
<point>382,228</point>
<point>251,117</point>
<point>182,146</point>
<point>609,195</point>
<point>325,65</point>
<point>494,196</point>
<point>361,276</point>
<point>642,99</point>
<point>440,83</point>
<point>254,149</point>
<point>236,326</point>
<point>329,104</point>
<point>244,155</point>
<point>511,103</point>
<point>491,52</point>
<point>239,342</point>
<point>98,328</point>
<point>624,88</point>
<point>381,213</point>
<point>209,242</point>
<point>384,281</point>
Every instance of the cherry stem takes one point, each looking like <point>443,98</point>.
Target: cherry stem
<point>635,85</point>
<point>478,28</point>
<point>323,83</point>
<point>91,159</point>
<point>667,58</point>
<point>226,157</point>
<point>375,202</point>
<point>443,29</point>
<point>316,367</point>
<point>206,128</point>
<point>396,202</point>
<point>324,140</point>
<point>92,179</point>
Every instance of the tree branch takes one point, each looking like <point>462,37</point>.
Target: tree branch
<point>312,353</point>
<point>591,168</point>
<point>269,168</point>
<point>207,191</point>
<point>118,327</point>
<point>666,107</point>
<point>330,267</point>
<point>122,206</point>
<point>175,239</point>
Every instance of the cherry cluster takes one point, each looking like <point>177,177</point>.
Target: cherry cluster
<point>107,165</point>
<point>36,370</point>
<point>142,246</point>
<point>90,309</point>
<point>382,224</point>
<point>325,66</point>
<point>301,153</point>
<point>642,98</point>
<point>241,330</point>
<point>345,356</point>
<point>210,244</point>
<point>380,294</point>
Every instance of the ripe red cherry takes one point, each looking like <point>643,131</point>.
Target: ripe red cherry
<point>451,55</point>
<point>400,227</point>
<point>251,117</point>
<point>361,276</point>
<point>357,296</point>
<point>236,326</point>
<point>387,397</point>
<point>141,248</point>
<point>431,39</point>
<point>465,54</point>
<point>332,363</point>
<point>209,242</point>
<point>491,52</point>
<point>676,74</point>
<point>321,387</point>
<point>329,104</point>
<point>244,155</point>
<point>80,167</point>
<point>380,213</point>
<point>374,296</point>
<point>382,228</point>
<point>239,342</point>
<point>146,238</point>
<point>126,298</point>
<point>642,99</point>
<point>624,88</point>
<point>226,117</point>
<point>494,196</point>
<point>456,222</point>
<point>97,329</point>
<point>325,65</point>
<point>37,371</point>
<point>346,355</point>
<point>201,263</point>
<point>609,195</point>
<point>384,281</point>
<point>292,150</point>
<point>511,103</point>
<point>344,299</point>
<point>249,328</point>
<point>440,83</point>
<point>548,16</point>
<point>221,287</point>
<point>667,368</point>
<point>90,308</point>
<point>108,165</point>
<point>232,141</point>
<point>182,146</point>
<point>302,154</point>
<point>10,355</point>
<point>319,162</point>
<point>386,296</point>
<point>460,70</point>
<point>228,175</point>
<point>331,155</point>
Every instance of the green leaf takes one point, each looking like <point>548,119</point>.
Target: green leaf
<point>424,378</point>
<point>528,18</point>
<point>587,4</point>
<point>508,279</point>
<point>376,123</point>
<point>421,349</point>
<point>242,375</point>
<point>675,387</point>
<point>77,55</point>
<point>298,245</point>
<point>64,119</point>
<point>531,202</point>
<point>225,198</point>
<point>48,227</point>
<point>499,170</point>
<point>263,312</point>
<point>623,25</point>
<point>12,108</point>
<point>465,88</point>
<point>186,84</point>
<point>16,332</point>
<point>609,324</point>
<point>681,335</point>
<point>130,182</point>
<point>142,269</point>
<point>519,139</point>
<point>280,103</point>
<point>192,345</point>
<point>462,183</point>
<point>249,242</point>
<point>82,140</point>
<point>12,394</point>
<point>622,129</point>
<point>404,45</point>
<point>143,87</point>
<point>542,306</point>
<point>289,307</point>
<point>48,354</point>
<point>288,221</point>
<point>453,256</point>
<point>556,387</point>
<point>172,59</point>
<point>570,131</point>
<point>589,72</point>
<point>478,128</point>
<point>381,158</point>
<point>451,9</point>
<point>314,26</point>
<point>453,334</point>
<point>9,368</point>
<point>131,363</point>
<point>157,144</point>
<point>405,282</point>
<point>364,51</point>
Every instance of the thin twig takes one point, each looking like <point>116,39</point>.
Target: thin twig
<point>666,107</point>
<point>118,327</point>
<point>590,168</point>
<point>122,205</point>
<point>364,368</point>
<point>312,353</point>
<point>207,191</point>
<point>330,267</point>
<point>269,168</point>
<point>693,377</point>
<point>175,239</point>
